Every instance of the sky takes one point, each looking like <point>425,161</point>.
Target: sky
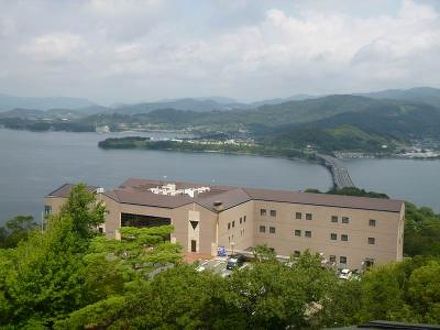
<point>138,50</point>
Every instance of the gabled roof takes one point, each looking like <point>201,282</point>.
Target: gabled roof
<point>351,202</point>
<point>147,198</point>
<point>65,189</point>
<point>136,192</point>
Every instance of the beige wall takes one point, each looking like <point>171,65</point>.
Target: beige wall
<point>356,249</point>
<point>388,232</point>
<point>205,233</point>
<point>55,203</point>
<point>242,234</point>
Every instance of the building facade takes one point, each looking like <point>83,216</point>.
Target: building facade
<point>351,232</point>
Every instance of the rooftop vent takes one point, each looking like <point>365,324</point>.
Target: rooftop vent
<point>170,190</point>
<point>218,206</point>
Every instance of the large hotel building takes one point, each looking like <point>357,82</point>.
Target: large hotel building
<point>351,232</point>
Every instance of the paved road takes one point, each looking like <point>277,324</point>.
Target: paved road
<point>341,177</point>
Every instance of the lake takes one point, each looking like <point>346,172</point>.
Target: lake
<point>33,164</point>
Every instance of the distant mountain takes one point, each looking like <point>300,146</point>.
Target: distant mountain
<point>9,102</point>
<point>427,95</point>
<point>381,122</point>
<point>187,104</point>
<point>35,114</point>
<point>215,103</point>
<point>297,97</point>
<point>30,114</point>
<point>364,122</point>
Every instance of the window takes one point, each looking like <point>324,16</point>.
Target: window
<point>308,233</point>
<point>244,219</point>
<point>333,236</point>
<point>371,240</point>
<point>233,224</point>
<point>229,225</point>
<point>342,260</point>
<point>263,212</point>
<point>308,216</point>
<point>241,220</point>
<point>101,230</point>
<point>273,213</point>
<point>272,230</point>
<point>345,219</point>
<point>334,218</point>
<point>372,223</point>
<point>297,232</point>
<point>332,258</point>
<point>296,253</point>
<point>262,229</point>
<point>344,237</point>
<point>298,215</point>
<point>47,209</point>
<point>142,221</point>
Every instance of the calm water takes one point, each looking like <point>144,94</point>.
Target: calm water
<point>33,164</point>
<point>414,180</point>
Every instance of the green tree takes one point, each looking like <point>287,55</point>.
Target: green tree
<point>16,230</point>
<point>422,231</point>
<point>263,252</point>
<point>45,277</point>
<point>84,209</point>
<point>424,291</point>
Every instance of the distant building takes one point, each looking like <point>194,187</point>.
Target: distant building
<point>350,232</point>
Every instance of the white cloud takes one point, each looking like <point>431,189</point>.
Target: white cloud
<point>54,47</point>
<point>150,49</point>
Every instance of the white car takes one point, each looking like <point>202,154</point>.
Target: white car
<point>345,274</point>
<point>202,267</point>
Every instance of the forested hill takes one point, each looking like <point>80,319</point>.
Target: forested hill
<point>329,123</point>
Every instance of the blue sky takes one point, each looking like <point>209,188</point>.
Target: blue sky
<point>136,50</point>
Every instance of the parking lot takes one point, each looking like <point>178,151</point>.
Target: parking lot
<point>218,266</point>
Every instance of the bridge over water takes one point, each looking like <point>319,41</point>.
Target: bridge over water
<point>340,175</point>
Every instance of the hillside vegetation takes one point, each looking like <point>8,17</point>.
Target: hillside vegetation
<point>330,123</point>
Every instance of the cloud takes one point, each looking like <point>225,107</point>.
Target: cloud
<point>150,49</point>
<point>54,47</point>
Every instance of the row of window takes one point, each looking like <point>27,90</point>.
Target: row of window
<point>298,215</point>
<point>231,238</point>
<point>309,216</point>
<point>307,233</point>
<point>263,212</point>
<point>344,237</point>
<point>271,229</point>
<point>334,237</point>
<point>232,224</point>
<point>332,258</point>
<point>342,259</point>
<point>335,219</point>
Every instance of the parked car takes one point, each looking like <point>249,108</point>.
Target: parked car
<point>202,266</point>
<point>345,274</point>
<point>234,261</point>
